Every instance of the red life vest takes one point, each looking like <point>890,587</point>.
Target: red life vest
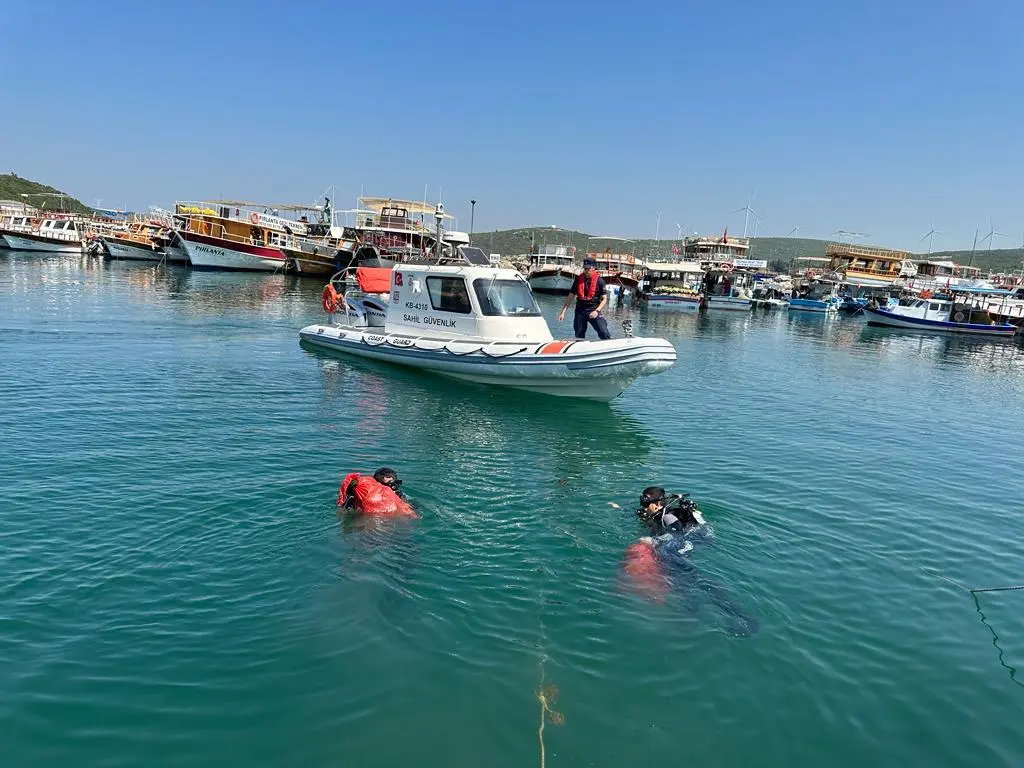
<point>586,293</point>
<point>642,571</point>
<point>373,498</point>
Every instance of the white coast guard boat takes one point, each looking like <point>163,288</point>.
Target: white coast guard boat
<point>472,321</point>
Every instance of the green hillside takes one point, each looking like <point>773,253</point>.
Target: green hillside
<point>780,252</point>
<point>1002,260</point>
<point>12,187</point>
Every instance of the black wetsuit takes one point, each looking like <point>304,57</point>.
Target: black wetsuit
<point>676,516</point>
<point>675,527</point>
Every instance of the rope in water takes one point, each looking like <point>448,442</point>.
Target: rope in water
<point>975,591</point>
<point>543,706</point>
<point>546,693</point>
<point>1010,588</point>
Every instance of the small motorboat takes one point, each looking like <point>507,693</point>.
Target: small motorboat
<point>820,296</point>
<point>938,314</point>
<point>461,317</point>
<point>852,305</point>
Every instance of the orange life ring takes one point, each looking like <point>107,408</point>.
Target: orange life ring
<point>254,217</point>
<point>330,299</point>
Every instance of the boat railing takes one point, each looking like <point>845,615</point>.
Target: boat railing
<point>384,221</point>
<point>540,260</point>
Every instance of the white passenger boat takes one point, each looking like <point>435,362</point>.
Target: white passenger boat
<point>225,234</point>
<point>58,235</point>
<point>15,218</point>
<point>553,269</point>
<point>140,240</point>
<point>469,320</point>
<point>672,285</point>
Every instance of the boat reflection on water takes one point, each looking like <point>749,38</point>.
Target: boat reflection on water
<point>675,325</point>
<point>473,428</point>
<point>276,296</point>
<point>993,354</point>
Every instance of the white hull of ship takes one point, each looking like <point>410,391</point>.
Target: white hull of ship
<point>730,303</point>
<point>217,254</point>
<point>19,243</point>
<point>132,252</point>
<point>552,281</point>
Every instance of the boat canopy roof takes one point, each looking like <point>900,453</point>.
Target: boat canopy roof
<point>251,204</point>
<point>464,270</point>
<point>378,204</point>
<point>992,291</point>
<point>673,266</point>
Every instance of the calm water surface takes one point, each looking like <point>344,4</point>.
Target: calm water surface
<point>178,590</point>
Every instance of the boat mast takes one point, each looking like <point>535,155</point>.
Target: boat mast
<point>438,216</point>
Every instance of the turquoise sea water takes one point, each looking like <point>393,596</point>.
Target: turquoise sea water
<point>178,591</point>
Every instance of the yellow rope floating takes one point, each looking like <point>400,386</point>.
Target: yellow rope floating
<point>546,695</point>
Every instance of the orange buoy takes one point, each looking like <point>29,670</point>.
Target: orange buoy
<point>330,299</point>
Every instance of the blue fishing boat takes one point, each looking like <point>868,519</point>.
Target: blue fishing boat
<point>819,296</point>
<point>938,315</point>
<point>852,305</point>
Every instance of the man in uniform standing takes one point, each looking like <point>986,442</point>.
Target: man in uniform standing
<point>588,289</point>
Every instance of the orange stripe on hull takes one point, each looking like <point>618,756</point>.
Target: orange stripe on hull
<point>553,347</point>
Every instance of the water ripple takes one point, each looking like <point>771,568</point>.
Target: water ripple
<point>179,589</point>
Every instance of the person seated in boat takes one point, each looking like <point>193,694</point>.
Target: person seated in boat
<point>379,495</point>
<point>664,513</point>
<point>589,291</point>
<point>454,297</point>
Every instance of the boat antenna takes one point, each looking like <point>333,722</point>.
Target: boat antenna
<point>438,216</point>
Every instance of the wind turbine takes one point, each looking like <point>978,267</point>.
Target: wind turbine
<point>930,234</point>
<point>747,210</point>
<point>757,222</point>
<point>992,235</point>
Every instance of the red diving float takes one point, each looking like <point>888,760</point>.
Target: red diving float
<point>367,496</point>
<point>642,572</point>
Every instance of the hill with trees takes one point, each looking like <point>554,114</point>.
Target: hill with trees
<point>42,196</point>
<point>780,252</point>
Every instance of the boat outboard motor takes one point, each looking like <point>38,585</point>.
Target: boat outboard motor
<point>365,311</point>
<point>355,312</point>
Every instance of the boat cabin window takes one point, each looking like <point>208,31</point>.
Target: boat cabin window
<point>449,294</point>
<point>934,307</point>
<point>394,217</point>
<point>505,298</point>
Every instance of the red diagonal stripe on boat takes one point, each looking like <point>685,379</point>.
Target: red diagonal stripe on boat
<point>553,347</point>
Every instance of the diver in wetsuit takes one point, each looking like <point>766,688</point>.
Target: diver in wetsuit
<point>674,522</point>
<point>663,513</point>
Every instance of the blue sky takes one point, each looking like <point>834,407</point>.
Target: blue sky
<point>878,117</point>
